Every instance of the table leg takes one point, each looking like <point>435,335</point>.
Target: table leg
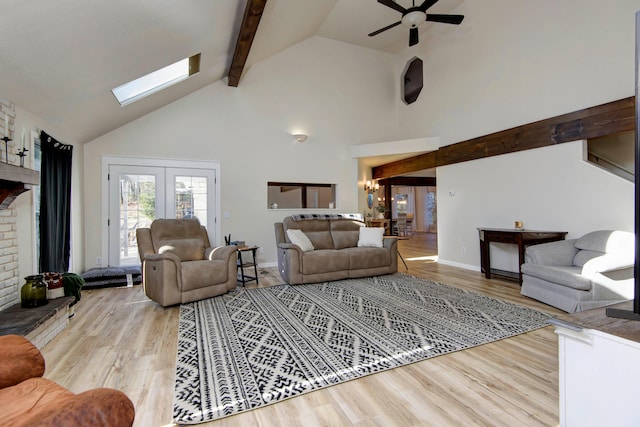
<point>255,265</point>
<point>241,267</point>
<point>485,261</point>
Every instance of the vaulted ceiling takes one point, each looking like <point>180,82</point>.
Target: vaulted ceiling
<point>60,59</point>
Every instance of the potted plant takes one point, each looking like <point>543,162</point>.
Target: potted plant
<point>380,209</point>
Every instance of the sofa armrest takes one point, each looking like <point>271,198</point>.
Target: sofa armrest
<point>557,253</point>
<point>101,407</point>
<point>389,242</point>
<point>607,263</point>
<point>21,360</point>
<point>290,246</point>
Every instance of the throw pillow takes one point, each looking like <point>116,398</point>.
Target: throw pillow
<point>371,237</point>
<point>298,237</point>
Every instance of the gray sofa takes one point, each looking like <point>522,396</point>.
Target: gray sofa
<point>579,274</point>
<point>335,254</point>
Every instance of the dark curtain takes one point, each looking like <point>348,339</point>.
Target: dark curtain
<point>55,205</point>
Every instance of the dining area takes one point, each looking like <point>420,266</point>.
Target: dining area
<point>401,226</point>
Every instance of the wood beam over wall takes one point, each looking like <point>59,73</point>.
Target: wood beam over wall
<point>248,29</point>
<point>606,119</point>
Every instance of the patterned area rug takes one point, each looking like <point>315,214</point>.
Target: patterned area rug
<point>254,347</point>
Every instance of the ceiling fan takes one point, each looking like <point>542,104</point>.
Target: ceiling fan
<point>416,15</point>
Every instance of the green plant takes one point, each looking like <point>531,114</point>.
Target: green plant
<point>380,208</point>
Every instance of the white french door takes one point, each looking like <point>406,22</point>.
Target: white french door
<point>139,194</point>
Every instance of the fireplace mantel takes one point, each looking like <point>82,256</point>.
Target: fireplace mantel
<point>14,181</point>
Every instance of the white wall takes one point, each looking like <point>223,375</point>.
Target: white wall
<point>511,63</point>
<point>338,94</point>
<point>548,188</point>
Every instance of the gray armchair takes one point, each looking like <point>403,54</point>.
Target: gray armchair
<point>178,264</point>
<point>579,274</point>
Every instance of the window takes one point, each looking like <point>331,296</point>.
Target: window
<point>292,195</point>
<point>157,80</point>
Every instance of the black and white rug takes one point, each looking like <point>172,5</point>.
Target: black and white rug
<point>251,348</point>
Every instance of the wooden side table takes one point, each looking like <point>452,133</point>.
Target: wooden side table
<point>244,278</point>
<point>519,237</point>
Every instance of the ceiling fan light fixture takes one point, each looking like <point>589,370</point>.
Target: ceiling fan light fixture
<point>414,19</point>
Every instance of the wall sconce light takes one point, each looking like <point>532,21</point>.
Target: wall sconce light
<point>300,137</point>
<point>371,188</point>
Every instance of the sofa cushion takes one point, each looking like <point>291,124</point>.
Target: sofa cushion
<point>607,241</point>
<point>317,231</point>
<point>566,276</point>
<point>583,256</point>
<point>345,233</point>
<point>182,238</point>
<point>368,257</point>
<point>297,237</point>
<point>186,249</point>
<point>371,237</point>
<point>324,260</point>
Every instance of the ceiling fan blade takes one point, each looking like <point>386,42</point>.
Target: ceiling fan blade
<point>427,4</point>
<point>393,5</point>
<point>446,19</point>
<point>413,36</point>
<point>395,24</point>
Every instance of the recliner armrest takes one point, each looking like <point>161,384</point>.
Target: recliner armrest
<point>223,253</point>
<point>167,256</point>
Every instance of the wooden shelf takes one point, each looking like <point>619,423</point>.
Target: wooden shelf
<point>14,181</point>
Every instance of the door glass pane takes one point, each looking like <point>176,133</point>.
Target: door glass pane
<point>137,209</point>
<point>191,197</point>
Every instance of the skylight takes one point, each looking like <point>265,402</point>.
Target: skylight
<point>157,80</point>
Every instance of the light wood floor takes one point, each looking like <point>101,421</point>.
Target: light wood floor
<point>121,339</point>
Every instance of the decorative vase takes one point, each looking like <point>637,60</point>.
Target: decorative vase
<point>34,292</point>
<point>380,215</point>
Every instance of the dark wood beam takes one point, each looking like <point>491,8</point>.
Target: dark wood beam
<point>248,29</point>
<point>606,119</point>
<point>409,181</point>
<point>413,164</point>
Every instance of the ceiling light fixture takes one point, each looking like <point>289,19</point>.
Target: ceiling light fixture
<point>300,137</point>
<point>414,19</point>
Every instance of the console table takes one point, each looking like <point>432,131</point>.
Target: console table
<point>519,237</point>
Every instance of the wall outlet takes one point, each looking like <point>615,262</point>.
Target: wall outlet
<point>98,260</point>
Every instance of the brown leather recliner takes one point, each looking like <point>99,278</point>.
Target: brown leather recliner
<point>178,264</point>
<point>27,399</point>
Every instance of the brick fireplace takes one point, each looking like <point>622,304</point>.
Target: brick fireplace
<point>9,279</point>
